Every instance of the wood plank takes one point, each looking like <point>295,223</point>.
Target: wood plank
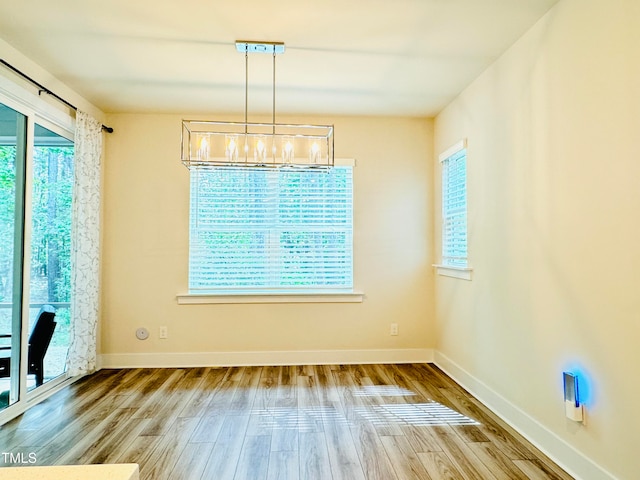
<point>152,403</point>
<point>226,451</point>
<point>441,379</point>
<point>124,444</point>
<point>165,456</point>
<point>284,436</point>
<point>221,398</point>
<point>373,373</point>
<point>470,433</point>
<point>85,446</point>
<point>313,456</point>
<point>385,399</point>
<point>207,429</point>
<point>328,391</point>
<point>343,456</point>
<point>271,371</point>
<point>267,390</point>
<point>246,391</point>
<point>403,458</point>
<point>254,458</point>
<point>432,393</point>
<point>212,378</point>
<point>283,465</point>
<point>373,457</point>
<point>108,449</point>
<point>147,389</point>
<point>439,466</point>
<point>539,470</point>
<point>284,439</point>
<point>500,465</point>
<point>177,397</point>
<point>309,405</point>
<point>140,450</point>
<point>461,455</point>
<point>352,405</point>
<point>421,438</point>
<point>192,461</point>
<point>288,375</point>
<point>262,422</point>
<point>401,376</point>
<point>358,374</point>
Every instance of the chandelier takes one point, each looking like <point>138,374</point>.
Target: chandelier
<point>256,145</point>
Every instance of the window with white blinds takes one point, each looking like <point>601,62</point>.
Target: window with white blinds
<point>271,231</point>
<point>454,209</point>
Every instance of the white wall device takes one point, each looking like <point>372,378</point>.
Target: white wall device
<point>142,333</point>
<point>574,410</point>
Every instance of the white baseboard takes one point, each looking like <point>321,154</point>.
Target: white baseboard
<point>225,359</point>
<point>562,453</point>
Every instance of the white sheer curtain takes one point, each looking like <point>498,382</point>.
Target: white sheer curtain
<point>85,246</point>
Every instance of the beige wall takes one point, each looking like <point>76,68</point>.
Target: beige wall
<point>554,195</point>
<point>145,255</point>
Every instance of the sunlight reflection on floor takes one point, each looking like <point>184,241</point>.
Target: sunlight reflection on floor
<point>416,414</point>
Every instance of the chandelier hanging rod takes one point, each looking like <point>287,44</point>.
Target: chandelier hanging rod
<point>250,46</point>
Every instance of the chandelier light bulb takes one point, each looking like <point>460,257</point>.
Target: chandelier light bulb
<point>260,151</point>
<point>203,149</point>
<point>231,151</point>
<point>287,152</point>
<point>314,153</point>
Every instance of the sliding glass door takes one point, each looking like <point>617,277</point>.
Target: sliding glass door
<point>36,191</point>
<point>13,132</point>
<point>50,265</point>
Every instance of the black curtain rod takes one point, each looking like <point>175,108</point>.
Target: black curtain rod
<point>44,89</point>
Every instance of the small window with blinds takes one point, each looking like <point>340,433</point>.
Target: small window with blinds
<point>454,207</point>
<point>271,231</point>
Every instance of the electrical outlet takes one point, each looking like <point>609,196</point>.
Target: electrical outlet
<point>394,329</point>
<point>163,333</point>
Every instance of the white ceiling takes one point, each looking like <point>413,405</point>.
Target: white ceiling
<point>354,57</point>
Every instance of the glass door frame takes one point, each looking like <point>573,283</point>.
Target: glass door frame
<point>16,386</point>
<point>36,111</point>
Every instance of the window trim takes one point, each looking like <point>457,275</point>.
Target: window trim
<point>238,298</point>
<point>329,295</point>
<point>454,271</point>
<point>464,273</point>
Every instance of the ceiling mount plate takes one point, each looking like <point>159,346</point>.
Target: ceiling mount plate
<point>250,46</point>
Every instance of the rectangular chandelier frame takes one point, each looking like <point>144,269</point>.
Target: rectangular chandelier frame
<point>266,145</point>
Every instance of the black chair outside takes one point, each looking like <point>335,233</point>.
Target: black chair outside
<point>39,341</point>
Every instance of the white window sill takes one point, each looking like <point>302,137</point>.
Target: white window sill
<point>329,297</point>
<point>463,273</point>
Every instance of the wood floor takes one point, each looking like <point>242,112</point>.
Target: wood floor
<point>301,422</point>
